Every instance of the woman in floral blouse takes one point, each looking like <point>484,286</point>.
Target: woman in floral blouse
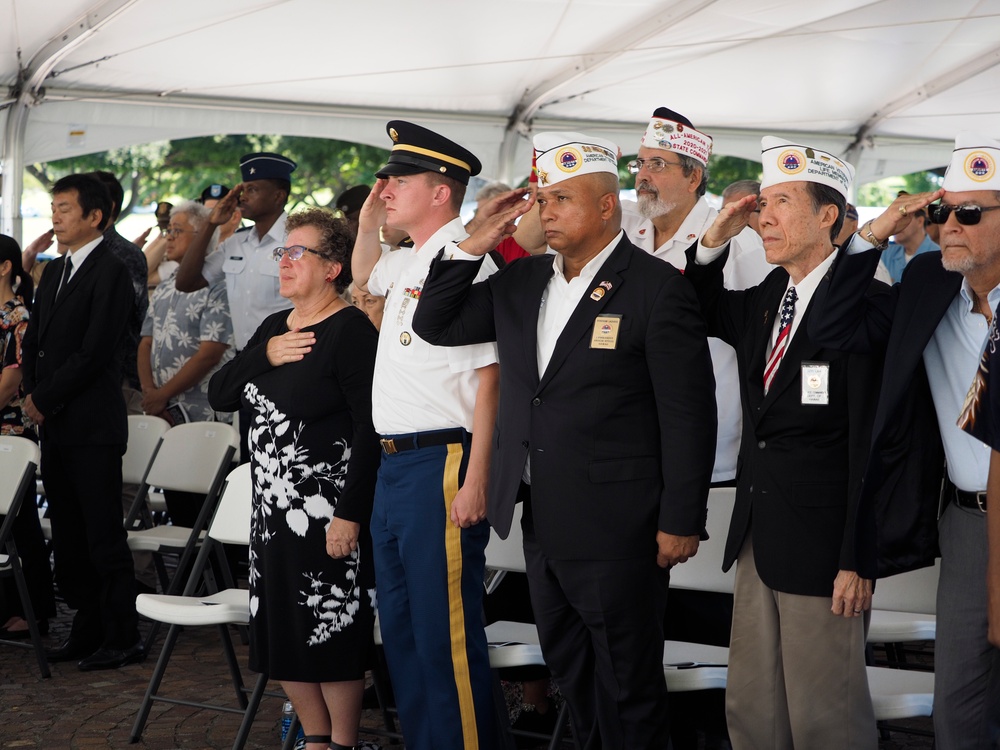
<point>16,288</point>
<point>186,338</point>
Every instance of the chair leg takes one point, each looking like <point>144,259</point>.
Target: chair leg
<point>562,718</point>
<point>505,740</point>
<point>250,712</point>
<point>234,667</point>
<point>154,682</point>
<point>29,611</point>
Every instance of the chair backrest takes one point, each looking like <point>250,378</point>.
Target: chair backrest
<point>507,554</point>
<point>231,524</point>
<point>914,591</point>
<point>192,455</point>
<point>144,434</point>
<point>703,572</point>
<point>18,459</point>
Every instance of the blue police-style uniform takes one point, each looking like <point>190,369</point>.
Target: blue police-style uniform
<point>429,572</point>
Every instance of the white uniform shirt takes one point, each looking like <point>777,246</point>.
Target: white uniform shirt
<point>417,386</point>
<point>247,261</point>
<point>746,267</point>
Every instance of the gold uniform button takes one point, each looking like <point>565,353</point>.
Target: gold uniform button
<point>405,338</point>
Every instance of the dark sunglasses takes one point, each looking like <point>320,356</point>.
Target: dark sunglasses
<point>965,215</point>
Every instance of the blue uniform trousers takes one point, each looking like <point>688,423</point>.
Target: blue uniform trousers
<point>430,598</point>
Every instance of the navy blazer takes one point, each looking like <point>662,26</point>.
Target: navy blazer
<point>905,469</point>
<point>800,466</point>
<point>622,441</point>
<point>73,349</point>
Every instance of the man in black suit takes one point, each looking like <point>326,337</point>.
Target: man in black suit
<point>796,664</point>
<point>934,325</point>
<point>605,430</point>
<point>73,352</point>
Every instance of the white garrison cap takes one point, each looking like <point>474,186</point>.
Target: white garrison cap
<point>973,164</point>
<point>784,161</point>
<point>560,156</point>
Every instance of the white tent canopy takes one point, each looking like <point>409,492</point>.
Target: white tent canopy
<point>885,84</point>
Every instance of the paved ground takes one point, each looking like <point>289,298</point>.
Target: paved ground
<point>91,711</point>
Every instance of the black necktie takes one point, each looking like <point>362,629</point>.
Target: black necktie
<point>67,271</point>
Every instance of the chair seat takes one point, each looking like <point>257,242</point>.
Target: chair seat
<point>901,693</point>
<point>513,644</point>
<point>694,666</point>
<point>901,627</point>
<point>159,538</point>
<point>228,606</point>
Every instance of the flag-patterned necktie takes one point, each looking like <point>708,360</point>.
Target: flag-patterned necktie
<point>784,330</point>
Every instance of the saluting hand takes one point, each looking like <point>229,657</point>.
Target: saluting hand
<point>732,219</point>
<point>486,233</point>
<point>900,213</point>
<point>223,211</point>
<point>373,215</point>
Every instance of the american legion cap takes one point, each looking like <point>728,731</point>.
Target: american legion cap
<point>785,161</point>
<point>416,149</point>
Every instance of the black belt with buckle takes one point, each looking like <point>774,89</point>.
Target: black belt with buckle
<point>400,443</point>
<point>973,500</point>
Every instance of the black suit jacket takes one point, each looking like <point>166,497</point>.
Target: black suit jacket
<point>905,468</point>
<point>622,441</point>
<point>73,348</point>
<point>800,466</point>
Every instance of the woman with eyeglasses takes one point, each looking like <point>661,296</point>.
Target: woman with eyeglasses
<point>306,375</point>
<point>16,286</point>
<point>185,339</point>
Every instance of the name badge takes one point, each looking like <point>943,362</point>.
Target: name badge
<point>605,334</point>
<point>816,383</point>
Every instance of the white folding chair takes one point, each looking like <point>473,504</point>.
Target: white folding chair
<point>144,435</point>
<point>904,610</point>
<point>18,461</point>
<point>230,606</point>
<point>192,457</point>
<point>703,572</point>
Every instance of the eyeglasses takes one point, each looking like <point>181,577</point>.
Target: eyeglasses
<point>656,164</point>
<point>173,232</point>
<point>966,215</point>
<point>294,252</point>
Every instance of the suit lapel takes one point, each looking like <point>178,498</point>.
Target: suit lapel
<point>582,320</point>
<point>534,292</point>
<point>59,299</point>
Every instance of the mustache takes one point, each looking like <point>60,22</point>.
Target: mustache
<point>646,185</point>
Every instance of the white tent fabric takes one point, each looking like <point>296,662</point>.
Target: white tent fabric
<point>885,83</point>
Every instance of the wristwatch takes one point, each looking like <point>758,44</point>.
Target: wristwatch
<point>869,236</point>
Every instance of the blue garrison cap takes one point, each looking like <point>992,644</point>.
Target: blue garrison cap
<point>266,166</point>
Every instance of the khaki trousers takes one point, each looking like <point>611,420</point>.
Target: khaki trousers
<point>797,674</point>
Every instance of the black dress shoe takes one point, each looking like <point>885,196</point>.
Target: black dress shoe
<point>72,649</point>
<point>112,658</point>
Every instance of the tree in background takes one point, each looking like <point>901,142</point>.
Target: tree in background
<point>884,192</point>
<point>722,170</point>
<point>175,170</point>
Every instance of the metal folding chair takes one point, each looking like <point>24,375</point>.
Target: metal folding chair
<point>222,608</point>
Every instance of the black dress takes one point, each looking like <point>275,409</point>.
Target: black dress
<point>314,455</point>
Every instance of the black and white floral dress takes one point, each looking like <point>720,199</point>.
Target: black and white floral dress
<point>314,454</point>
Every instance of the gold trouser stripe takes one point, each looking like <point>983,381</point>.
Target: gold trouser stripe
<point>456,611</point>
